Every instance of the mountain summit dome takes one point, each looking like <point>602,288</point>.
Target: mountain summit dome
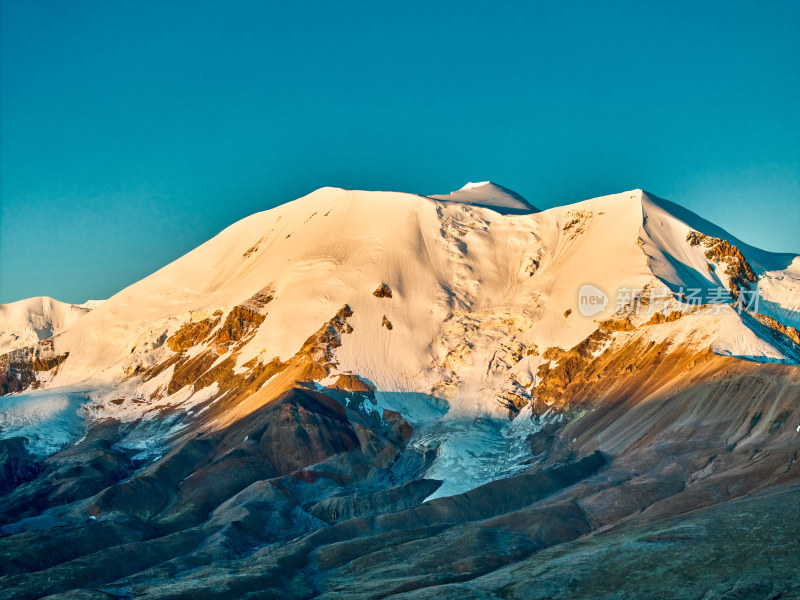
<point>490,195</point>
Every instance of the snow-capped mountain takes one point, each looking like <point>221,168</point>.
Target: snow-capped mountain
<point>470,289</point>
<point>474,301</point>
<point>26,322</point>
<point>466,336</point>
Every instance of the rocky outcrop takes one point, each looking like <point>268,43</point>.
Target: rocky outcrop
<point>19,369</point>
<point>383,291</point>
<point>320,346</point>
<point>660,317</point>
<point>193,333</point>
<point>240,323</point>
<point>787,331</point>
<point>570,371</point>
<point>352,383</point>
<point>738,270</point>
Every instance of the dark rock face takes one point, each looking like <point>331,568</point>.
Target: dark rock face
<point>16,464</point>
<point>304,429</point>
<point>74,473</point>
<point>299,429</point>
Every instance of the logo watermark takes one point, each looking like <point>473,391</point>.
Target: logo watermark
<point>591,300</point>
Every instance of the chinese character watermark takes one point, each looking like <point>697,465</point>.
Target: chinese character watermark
<point>648,300</point>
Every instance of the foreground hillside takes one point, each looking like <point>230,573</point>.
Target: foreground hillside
<point>364,394</point>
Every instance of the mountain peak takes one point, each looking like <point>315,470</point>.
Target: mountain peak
<point>473,185</point>
<point>489,195</point>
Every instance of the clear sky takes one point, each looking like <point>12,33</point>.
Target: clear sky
<point>134,131</point>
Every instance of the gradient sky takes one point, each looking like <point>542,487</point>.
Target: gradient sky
<point>134,131</point>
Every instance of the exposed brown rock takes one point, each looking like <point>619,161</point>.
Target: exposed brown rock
<point>553,353</point>
<point>239,326</point>
<point>790,332</point>
<point>739,271</point>
<point>18,368</point>
<point>320,346</point>
<point>532,266</point>
<point>578,222</point>
<point>619,323</point>
<point>387,323</point>
<point>570,370</point>
<point>659,317</point>
<point>157,369</point>
<point>383,291</point>
<point>513,400</point>
<point>543,369</point>
<point>200,372</point>
<point>399,430</point>
<point>252,249</point>
<point>351,383</point>
<point>189,370</point>
<point>312,362</point>
<point>260,299</point>
<point>240,323</point>
<point>193,333</point>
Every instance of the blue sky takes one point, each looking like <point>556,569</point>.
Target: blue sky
<point>134,131</point>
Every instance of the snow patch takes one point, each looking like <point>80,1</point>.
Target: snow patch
<point>49,419</point>
<point>472,452</point>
